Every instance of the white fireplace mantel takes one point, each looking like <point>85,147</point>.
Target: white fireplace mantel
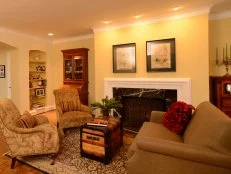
<point>182,85</point>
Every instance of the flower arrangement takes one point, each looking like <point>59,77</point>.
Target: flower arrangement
<point>107,105</point>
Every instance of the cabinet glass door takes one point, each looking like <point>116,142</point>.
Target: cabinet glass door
<point>68,68</point>
<point>78,71</point>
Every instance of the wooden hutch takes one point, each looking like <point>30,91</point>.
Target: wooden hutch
<point>220,93</point>
<point>75,71</point>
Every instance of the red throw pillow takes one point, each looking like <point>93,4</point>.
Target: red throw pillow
<point>178,117</point>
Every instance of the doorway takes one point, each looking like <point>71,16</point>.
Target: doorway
<point>5,61</point>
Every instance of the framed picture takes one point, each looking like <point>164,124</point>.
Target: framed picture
<point>124,58</point>
<point>160,55</point>
<point>40,92</point>
<point>2,71</point>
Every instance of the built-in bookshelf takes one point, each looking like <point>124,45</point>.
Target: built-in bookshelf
<point>37,79</point>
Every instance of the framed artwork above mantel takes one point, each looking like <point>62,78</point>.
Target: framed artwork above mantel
<point>160,55</point>
<point>124,58</point>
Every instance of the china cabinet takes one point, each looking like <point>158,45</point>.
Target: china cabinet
<point>37,79</point>
<point>220,93</point>
<point>75,71</point>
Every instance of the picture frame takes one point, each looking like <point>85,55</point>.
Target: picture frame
<point>2,71</point>
<point>39,92</point>
<point>124,58</point>
<point>161,55</point>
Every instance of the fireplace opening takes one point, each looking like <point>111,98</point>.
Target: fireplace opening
<point>137,110</point>
<point>138,103</point>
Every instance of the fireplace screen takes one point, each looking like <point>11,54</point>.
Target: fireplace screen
<point>137,110</point>
<point>139,103</point>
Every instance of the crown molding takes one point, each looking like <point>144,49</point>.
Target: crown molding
<point>76,38</point>
<point>10,31</point>
<point>222,15</point>
<point>197,12</point>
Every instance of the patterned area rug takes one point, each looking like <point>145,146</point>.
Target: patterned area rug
<point>69,160</point>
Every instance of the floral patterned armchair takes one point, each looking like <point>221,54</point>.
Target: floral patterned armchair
<point>41,139</point>
<point>70,111</point>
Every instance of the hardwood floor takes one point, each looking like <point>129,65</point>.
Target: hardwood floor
<point>20,168</point>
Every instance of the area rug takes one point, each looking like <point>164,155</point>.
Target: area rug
<point>69,160</point>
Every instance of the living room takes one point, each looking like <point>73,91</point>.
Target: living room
<point>198,32</point>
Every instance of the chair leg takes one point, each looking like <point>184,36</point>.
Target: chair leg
<point>54,157</point>
<point>13,162</point>
<point>60,130</point>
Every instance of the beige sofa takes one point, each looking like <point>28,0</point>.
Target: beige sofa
<point>204,148</point>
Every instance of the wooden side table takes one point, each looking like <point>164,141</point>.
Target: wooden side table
<point>101,142</point>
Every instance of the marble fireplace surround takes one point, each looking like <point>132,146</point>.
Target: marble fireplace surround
<point>182,85</point>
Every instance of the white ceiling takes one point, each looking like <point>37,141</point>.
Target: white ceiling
<point>71,18</point>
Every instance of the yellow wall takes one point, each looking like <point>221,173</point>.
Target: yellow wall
<point>191,36</point>
<point>3,81</point>
<point>219,36</point>
<point>20,65</point>
<point>191,57</point>
<point>57,63</point>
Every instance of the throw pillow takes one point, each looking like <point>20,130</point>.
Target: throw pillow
<point>178,117</point>
<point>70,106</point>
<point>26,120</point>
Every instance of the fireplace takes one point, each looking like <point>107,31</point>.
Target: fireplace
<point>140,96</point>
<point>138,103</point>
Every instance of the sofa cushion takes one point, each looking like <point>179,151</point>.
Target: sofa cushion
<point>74,118</point>
<point>155,130</point>
<point>210,128</point>
<point>177,117</point>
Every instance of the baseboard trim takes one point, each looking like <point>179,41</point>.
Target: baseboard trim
<point>42,110</point>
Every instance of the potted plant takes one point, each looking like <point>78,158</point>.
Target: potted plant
<point>107,105</point>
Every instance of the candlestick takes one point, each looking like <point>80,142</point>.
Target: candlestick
<point>226,51</point>
<point>217,54</point>
<point>223,54</point>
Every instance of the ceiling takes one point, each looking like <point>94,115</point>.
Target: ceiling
<point>72,18</point>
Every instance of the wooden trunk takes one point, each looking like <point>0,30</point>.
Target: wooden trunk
<point>100,143</point>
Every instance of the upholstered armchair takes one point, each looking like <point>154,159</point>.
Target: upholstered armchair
<point>70,111</point>
<point>42,138</point>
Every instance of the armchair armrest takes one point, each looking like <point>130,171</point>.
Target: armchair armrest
<point>59,113</point>
<point>157,116</point>
<point>41,119</point>
<point>184,151</point>
<point>85,108</point>
<point>21,140</point>
<point>37,129</point>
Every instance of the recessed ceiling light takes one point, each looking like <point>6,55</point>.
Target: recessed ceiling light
<point>50,34</point>
<point>106,22</point>
<point>176,8</point>
<point>137,16</point>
